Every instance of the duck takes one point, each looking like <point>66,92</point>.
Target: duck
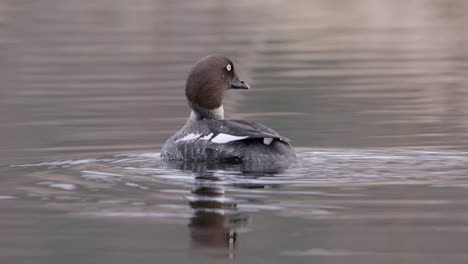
<point>208,137</point>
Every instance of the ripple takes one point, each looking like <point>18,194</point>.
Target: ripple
<point>325,252</point>
<point>101,176</point>
<point>132,215</point>
<point>63,186</point>
<point>7,197</point>
<point>315,166</point>
<point>62,163</point>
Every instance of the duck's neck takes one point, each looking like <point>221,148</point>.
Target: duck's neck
<point>199,113</point>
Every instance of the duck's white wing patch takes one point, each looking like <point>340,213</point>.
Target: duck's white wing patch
<point>207,137</point>
<point>189,137</point>
<point>267,141</point>
<point>222,138</point>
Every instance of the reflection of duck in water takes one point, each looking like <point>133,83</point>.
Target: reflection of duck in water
<point>207,137</point>
<point>215,220</point>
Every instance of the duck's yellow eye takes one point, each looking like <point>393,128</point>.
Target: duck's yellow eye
<point>229,67</point>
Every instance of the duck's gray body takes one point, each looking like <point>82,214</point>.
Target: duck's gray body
<point>227,140</point>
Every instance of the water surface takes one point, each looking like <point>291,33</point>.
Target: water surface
<point>373,95</point>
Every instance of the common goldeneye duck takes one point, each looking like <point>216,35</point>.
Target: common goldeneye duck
<point>207,137</point>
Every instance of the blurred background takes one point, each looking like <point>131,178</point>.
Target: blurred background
<point>106,76</point>
<point>373,94</point>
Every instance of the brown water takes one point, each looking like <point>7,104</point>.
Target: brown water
<point>374,95</point>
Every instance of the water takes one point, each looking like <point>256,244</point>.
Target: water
<point>372,93</point>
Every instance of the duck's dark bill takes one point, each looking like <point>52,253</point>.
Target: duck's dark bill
<point>237,83</point>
